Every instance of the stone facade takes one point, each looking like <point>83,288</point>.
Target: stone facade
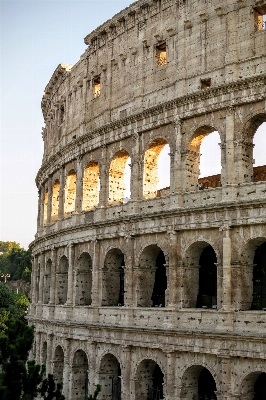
<point>162,295</point>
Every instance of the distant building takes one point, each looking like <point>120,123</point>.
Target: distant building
<point>162,296</point>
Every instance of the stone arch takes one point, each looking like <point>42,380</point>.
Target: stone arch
<point>47,281</point>
<point>253,278</point>
<point>149,381</point>
<point>150,167</point>
<point>83,280</point>
<point>70,193</point>
<point>117,184</point>
<point>253,386</point>
<point>91,186</point>
<point>55,200</point>
<point>152,277</point>
<point>200,276</point>
<point>62,281</point>
<point>247,145</point>
<point>193,160</point>
<point>110,377</point>
<point>113,278</point>
<point>198,382</point>
<point>58,364</point>
<point>80,366</point>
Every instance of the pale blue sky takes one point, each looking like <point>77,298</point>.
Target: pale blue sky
<point>35,37</point>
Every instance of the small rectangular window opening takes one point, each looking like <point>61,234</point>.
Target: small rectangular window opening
<point>96,87</point>
<point>161,55</point>
<point>260,18</point>
<point>205,83</point>
<point>62,114</point>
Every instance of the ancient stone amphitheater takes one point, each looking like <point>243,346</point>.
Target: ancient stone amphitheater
<point>160,294</point>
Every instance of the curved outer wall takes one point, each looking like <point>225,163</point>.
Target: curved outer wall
<point>158,72</point>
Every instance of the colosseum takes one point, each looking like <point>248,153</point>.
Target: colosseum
<point>155,292</point>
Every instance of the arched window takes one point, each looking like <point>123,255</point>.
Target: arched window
<point>80,376</point>
<point>44,353</point>
<point>55,200</point>
<point>259,158</point>
<point>260,387</point>
<point>198,383</point>
<point>70,193</point>
<point>259,278</point>
<point>58,364</point>
<point>204,160</point>
<point>156,172</point>
<point>152,280</point>
<point>207,294</point>
<point>254,386</point>
<point>91,186</point>
<point>206,385</point>
<point>119,182</point>
<point>110,378</point>
<point>84,280</point>
<point>62,281</point>
<point>45,207</point>
<point>113,279</point>
<point>149,381</point>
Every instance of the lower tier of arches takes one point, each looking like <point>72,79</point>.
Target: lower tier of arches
<point>140,365</point>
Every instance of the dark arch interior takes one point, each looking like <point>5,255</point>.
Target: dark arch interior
<point>155,392</point>
<point>206,386</point>
<point>160,282</point>
<point>260,387</point>
<point>207,296</point>
<point>259,278</point>
<point>121,283</point>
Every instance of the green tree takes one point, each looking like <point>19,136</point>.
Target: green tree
<point>95,395</point>
<point>15,260</point>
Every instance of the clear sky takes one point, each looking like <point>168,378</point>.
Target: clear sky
<point>36,36</point>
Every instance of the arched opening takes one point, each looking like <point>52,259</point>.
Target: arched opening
<point>156,172</point>
<point>80,376</point>
<point>204,159</point>
<point>198,383</point>
<point>83,280</point>
<point>260,387</point>
<point>70,193</point>
<point>149,381</point>
<point>259,163</point>
<point>55,200</point>
<point>110,378</point>
<point>259,278</point>
<point>200,276</point>
<point>91,186</point>
<point>47,282</point>
<point>152,279</point>
<point>44,354</point>
<point>207,294</point>
<point>45,207</point>
<point>62,281</point>
<point>254,386</point>
<point>58,364</point>
<point>113,279</point>
<point>119,182</point>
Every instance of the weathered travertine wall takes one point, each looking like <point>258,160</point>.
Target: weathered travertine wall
<point>162,294</point>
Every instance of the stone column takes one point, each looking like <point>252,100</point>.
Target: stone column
<point>227,255</point>
<point>79,185</point>
<point>125,384</point>
<point>176,183</point>
<point>50,339</point>
<point>34,279</point>
<point>53,276</point>
<point>169,380</point>
<point>61,194</point>
<point>39,222</point>
<point>225,363</point>
<point>41,214</point>
<point>71,260</point>
<point>41,281</point>
<point>50,198</point>
<point>104,179</point>
<point>172,270</point>
<point>229,194</point>
<point>67,373</point>
<point>136,182</point>
<point>95,296</point>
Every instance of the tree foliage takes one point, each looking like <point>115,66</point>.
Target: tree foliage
<point>15,260</point>
<point>95,395</point>
<point>20,379</point>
